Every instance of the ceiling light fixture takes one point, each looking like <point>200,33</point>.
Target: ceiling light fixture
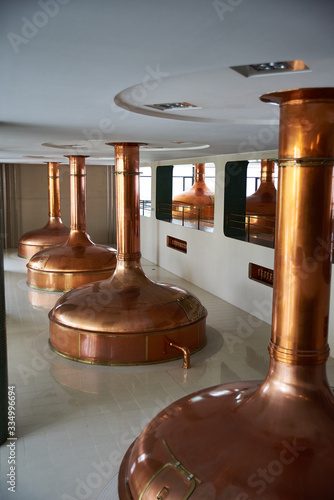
<point>269,68</point>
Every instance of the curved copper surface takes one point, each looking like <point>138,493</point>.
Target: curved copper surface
<point>271,440</point>
<point>54,232</point>
<point>261,205</point>
<point>127,319</point>
<point>198,201</point>
<point>77,261</point>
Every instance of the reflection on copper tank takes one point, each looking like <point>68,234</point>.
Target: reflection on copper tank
<point>127,319</point>
<point>54,232</point>
<point>261,205</point>
<point>78,260</point>
<point>272,440</point>
<point>198,201</point>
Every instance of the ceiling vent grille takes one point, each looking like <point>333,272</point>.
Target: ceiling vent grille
<point>165,106</point>
<point>270,68</point>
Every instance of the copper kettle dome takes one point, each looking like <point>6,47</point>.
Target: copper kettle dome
<point>54,232</point>
<point>198,200</point>
<point>261,205</point>
<point>128,318</point>
<point>78,260</point>
<point>272,440</point>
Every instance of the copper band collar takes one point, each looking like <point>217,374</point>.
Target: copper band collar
<point>78,175</point>
<point>53,176</point>
<point>129,256</point>
<point>305,162</point>
<point>124,172</point>
<point>298,356</point>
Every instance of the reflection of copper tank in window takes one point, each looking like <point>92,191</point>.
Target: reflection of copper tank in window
<point>261,206</point>
<point>198,201</point>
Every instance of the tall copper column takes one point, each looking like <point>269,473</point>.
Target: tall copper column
<point>273,440</point>
<point>261,205</point>
<point>78,260</point>
<point>198,200</point>
<point>54,232</point>
<point>127,319</point>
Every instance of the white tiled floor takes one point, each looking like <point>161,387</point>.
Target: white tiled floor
<point>75,421</point>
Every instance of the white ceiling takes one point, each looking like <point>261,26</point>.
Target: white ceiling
<point>80,72</point>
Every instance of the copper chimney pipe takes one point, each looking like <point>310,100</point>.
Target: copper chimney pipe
<point>78,260</point>
<point>127,319</point>
<point>273,440</point>
<point>261,205</point>
<point>54,232</point>
<point>198,200</point>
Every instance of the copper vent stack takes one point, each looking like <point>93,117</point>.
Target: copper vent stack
<point>273,440</point>
<point>78,260</point>
<point>54,232</point>
<point>261,205</point>
<point>197,201</point>
<point>127,319</point>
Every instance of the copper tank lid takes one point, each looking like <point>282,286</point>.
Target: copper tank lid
<point>198,198</point>
<point>54,232</point>
<point>272,440</point>
<point>261,205</point>
<point>78,260</point>
<point>128,318</point>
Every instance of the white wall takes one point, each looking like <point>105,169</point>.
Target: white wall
<point>214,262</point>
<point>32,199</point>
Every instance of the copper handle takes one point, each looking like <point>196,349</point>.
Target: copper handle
<point>161,495</point>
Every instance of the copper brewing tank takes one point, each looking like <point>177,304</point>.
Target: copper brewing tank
<point>261,205</point>
<point>78,260</point>
<point>127,319</point>
<point>54,232</point>
<point>198,201</point>
<point>271,440</point>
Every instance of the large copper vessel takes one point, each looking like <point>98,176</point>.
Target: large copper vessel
<point>54,232</point>
<point>127,319</point>
<point>78,260</point>
<point>198,201</point>
<point>261,205</point>
<point>271,440</point>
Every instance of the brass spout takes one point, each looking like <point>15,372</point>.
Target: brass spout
<point>78,260</point>
<point>186,354</point>
<point>128,318</point>
<point>271,440</point>
<point>54,232</point>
